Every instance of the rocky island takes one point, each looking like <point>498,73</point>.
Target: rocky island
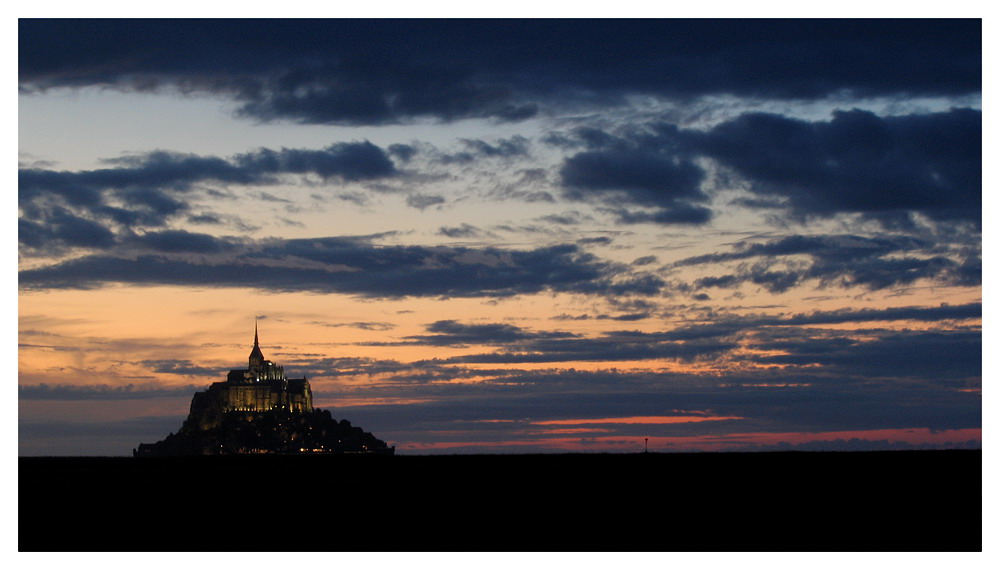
<point>257,410</point>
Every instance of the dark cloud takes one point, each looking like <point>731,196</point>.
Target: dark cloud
<point>595,241</point>
<point>828,247</point>
<point>604,316</point>
<point>728,327</point>
<point>423,201</point>
<point>345,161</point>
<point>400,374</point>
<point>526,187</point>
<point>809,403</point>
<point>649,179</point>
<point>463,231</point>
<point>179,241</point>
<point>363,325</point>
<point>884,168</point>
<point>173,171</point>
<point>61,226</point>
<point>452,333</point>
<point>645,260</point>
<point>79,209</point>
<point>871,274</point>
<point>522,347</point>
<point>939,356</point>
<point>858,162</point>
<point>635,172</point>
<point>678,213</point>
<point>384,71</point>
<point>505,148</point>
<point>205,218</point>
<point>942,312</point>
<point>182,367</point>
<point>403,152</point>
<point>349,265</point>
<point>476,149</point>
<point>101,391</point>
<point>872,262</point>
<point>837,351</point>
<point>565,219</point>
<point>352,197</point>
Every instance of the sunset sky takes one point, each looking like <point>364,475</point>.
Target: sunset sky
<point>506,235</point>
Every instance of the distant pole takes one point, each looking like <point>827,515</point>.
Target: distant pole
<point>647,446</point>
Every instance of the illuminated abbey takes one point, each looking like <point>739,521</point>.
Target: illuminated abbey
<point>259,387</point>
<point>257,410</point>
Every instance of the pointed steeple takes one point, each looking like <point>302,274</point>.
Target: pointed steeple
<point>256,356</point>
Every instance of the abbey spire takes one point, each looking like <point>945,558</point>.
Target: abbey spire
<point>256,356</point>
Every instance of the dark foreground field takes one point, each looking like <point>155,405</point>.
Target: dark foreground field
<point>874,501</point>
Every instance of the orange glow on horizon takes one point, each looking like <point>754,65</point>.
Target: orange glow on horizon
<point>639,420</point>
<point>359,401</point>
<point>727,442</point>
<point>567,431</point>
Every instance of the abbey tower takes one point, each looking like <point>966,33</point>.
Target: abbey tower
<point>257,410</point>
<point>260,387</point>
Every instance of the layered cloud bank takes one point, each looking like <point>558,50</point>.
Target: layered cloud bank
<point>504,234</point>
<point>378,71</point>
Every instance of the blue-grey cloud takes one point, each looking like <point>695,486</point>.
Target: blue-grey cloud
<point>564,219</point>
<point>182,367</point>
<point>940,356</point>
<point>403,152</point>
<point>385,71</point>
<point>872,275</point>
<point>403,374</point>
<point>476,149</point>
<point>562,347</point>
<point>830,359</point>
<point>811,403</point>
<point>604,316</point>
<point>783,333</point>
<point>61,226</point>
<point>730,326</point>
<point>424,201</point>
<point>927,314</point>
<point>166,171</point>
<point>872,262</point>
<point>656,175</point>
<point>205,218</point>
<point>180,241</point>
<point>884,168</point>
<point>79,209</point>
<point>858,162</point>
<point>101,391</point>
<point>462,231</point>
<point>348,265</point>
<point>363,325</point>
<point>451,333</point>
<point>346,161</point>
<point>828,247</point>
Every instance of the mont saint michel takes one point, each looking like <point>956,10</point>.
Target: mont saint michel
<point>258,410</point>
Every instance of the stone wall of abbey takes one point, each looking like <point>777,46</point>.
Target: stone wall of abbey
<point>260,387</point>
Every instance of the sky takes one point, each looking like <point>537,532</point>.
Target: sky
<point>506,236</point>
